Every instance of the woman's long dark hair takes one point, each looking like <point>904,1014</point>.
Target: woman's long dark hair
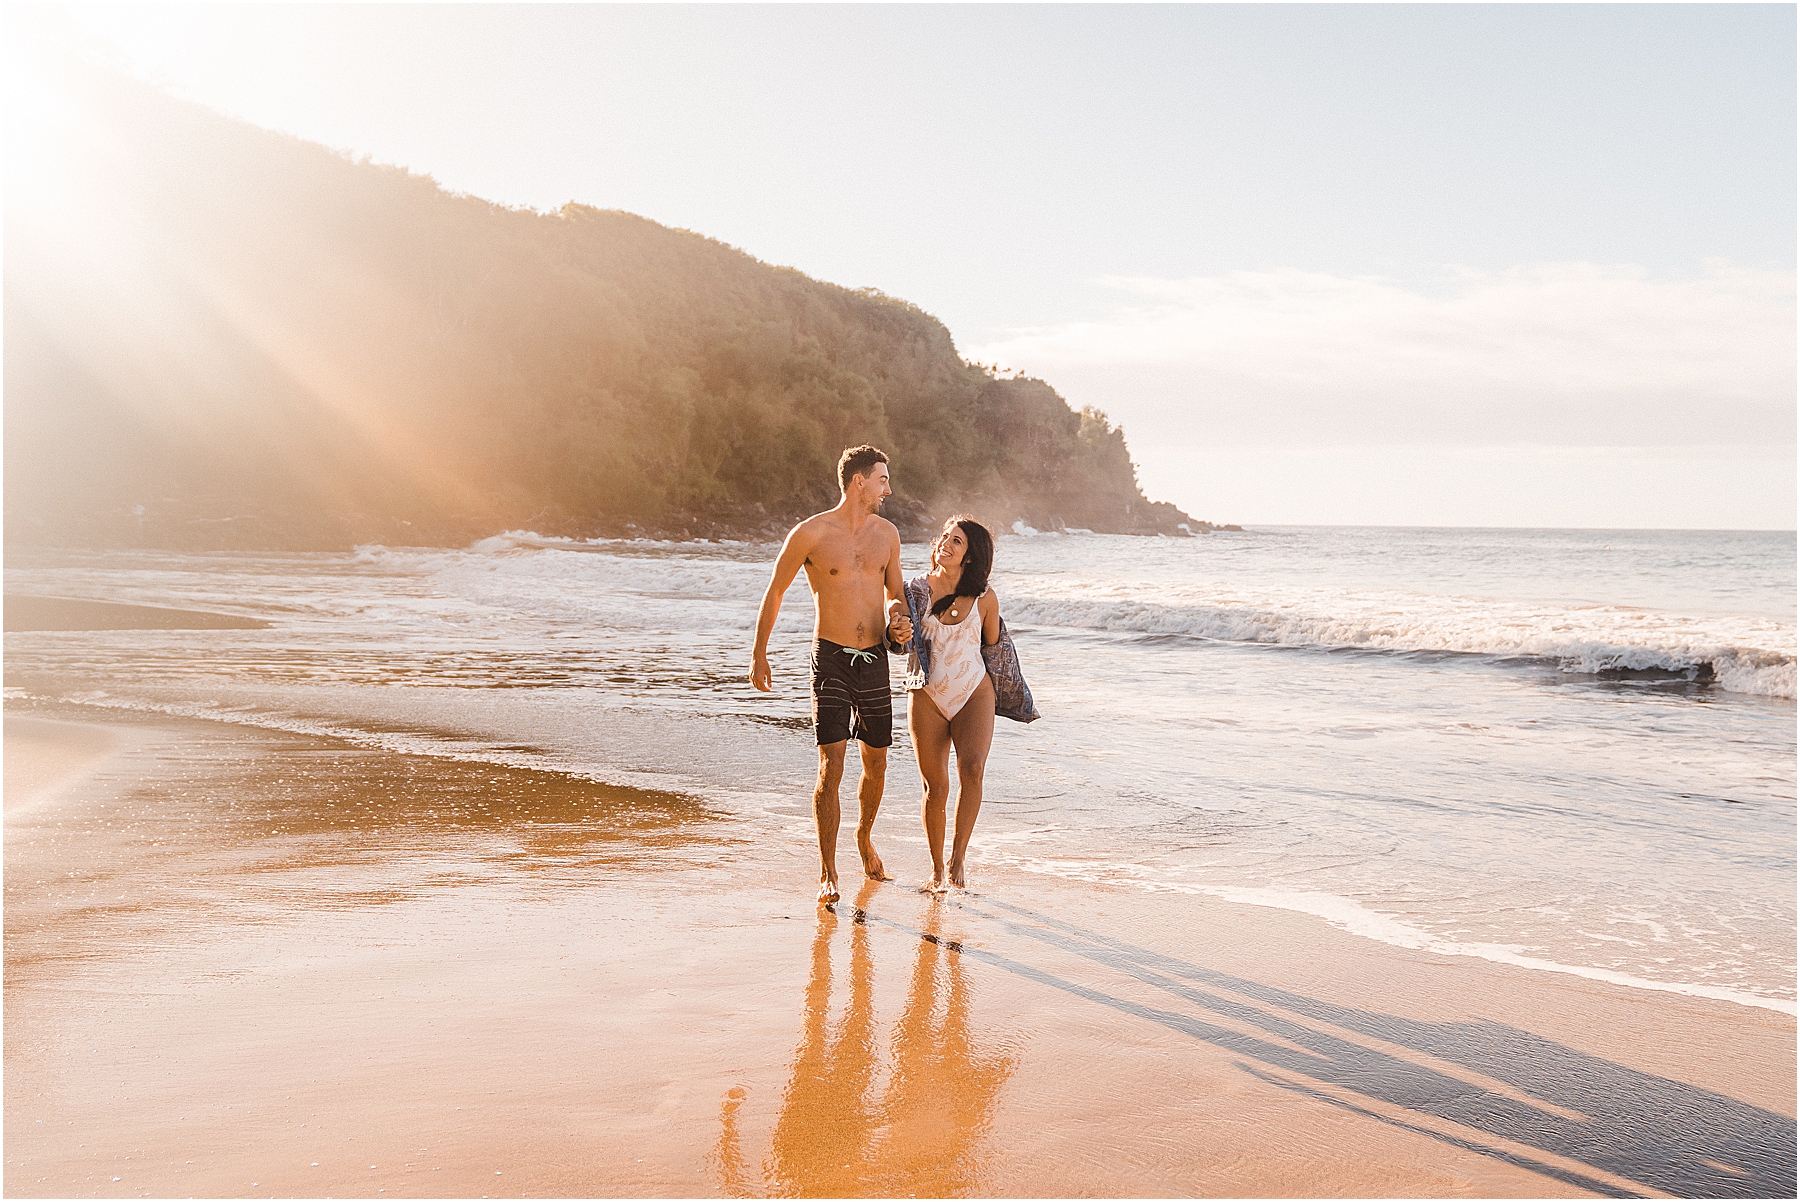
<point>977,562</point>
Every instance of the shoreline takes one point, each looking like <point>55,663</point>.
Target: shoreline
<point>289,965</point>
<point>27,612</point>
<point>1341,914</point>
<point>1352,918</point>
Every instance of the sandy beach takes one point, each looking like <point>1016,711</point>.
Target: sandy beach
<point>454,514</point>
<point>246,963</point>
<point>26,612</point>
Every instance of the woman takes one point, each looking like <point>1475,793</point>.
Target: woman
<point>958,640</point>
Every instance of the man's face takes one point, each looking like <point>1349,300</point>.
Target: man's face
<point>874,487</point>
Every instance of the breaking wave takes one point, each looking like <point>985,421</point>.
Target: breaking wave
<point>1740,655</point>
<point>1743,654</point>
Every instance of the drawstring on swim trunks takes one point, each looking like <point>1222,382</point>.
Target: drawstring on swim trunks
<point>858,657</point>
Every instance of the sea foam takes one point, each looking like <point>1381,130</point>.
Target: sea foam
<point>1738,654</point>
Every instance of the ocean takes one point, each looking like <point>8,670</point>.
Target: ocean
<point>1567,750</point>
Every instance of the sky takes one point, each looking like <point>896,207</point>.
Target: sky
<point>1412,264</point>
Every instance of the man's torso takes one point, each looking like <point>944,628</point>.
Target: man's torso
<point>846,572</point>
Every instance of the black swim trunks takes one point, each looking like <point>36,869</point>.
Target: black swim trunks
<point>850,694</point>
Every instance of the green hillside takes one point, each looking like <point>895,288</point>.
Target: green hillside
<point>222,336</point>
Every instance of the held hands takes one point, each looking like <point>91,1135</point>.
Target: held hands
<point>900,627</point>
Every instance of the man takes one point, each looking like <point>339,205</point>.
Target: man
<point>852,561</point>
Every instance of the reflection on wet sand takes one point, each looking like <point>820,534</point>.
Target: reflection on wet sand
<point>926,1132</point>
<point>193,823</point>
<point>941,1097</point>
<point>822,1136</point>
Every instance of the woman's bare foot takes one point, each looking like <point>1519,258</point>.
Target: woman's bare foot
<point>828,891</point>
<point>937,884</point>
<point>959,875</point>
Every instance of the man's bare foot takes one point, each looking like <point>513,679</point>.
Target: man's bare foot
<point>828,892</point>
<point>872,867</point>
<point>959,876</point>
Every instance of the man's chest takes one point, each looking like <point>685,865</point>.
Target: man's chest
<point>845,559</point>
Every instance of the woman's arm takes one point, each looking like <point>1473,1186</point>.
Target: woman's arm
<point>990,618</point>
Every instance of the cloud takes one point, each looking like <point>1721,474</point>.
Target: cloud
<point>1690,487</point>
<point>1555,353</point>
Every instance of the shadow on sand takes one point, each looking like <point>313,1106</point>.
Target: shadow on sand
<point>1660,1133</point>
<point>1507,1093</point>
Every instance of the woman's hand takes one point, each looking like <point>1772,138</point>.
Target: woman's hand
<point>900,630</point>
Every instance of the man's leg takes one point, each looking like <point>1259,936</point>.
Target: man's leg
<point>874,733</point>
<point>827,816</point>
<point>868,804</point>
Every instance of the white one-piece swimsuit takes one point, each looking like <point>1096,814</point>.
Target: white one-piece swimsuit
<point>957,668</point>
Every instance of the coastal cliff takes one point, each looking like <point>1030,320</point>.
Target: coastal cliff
<point>222,336</point>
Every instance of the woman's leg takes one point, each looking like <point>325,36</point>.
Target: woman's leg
<point>931,743</point>
<point>972,732</point>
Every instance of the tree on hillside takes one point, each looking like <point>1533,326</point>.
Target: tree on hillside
<point>221,318</point>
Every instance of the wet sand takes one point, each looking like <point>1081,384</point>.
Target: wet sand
<point>245,963</point>
<point>25,612</point>
<point>43,756</point>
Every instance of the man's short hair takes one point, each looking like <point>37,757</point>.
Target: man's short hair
<point>856,461</point>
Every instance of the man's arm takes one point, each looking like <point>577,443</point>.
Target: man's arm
<point>787,566</point>
<point>900,629</point>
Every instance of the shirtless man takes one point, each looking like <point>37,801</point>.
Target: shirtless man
<point>852,561</point>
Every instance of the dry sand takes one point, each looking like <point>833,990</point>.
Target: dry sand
<point>244,963</point>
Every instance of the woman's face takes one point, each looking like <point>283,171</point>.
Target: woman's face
<point>950,547</point>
